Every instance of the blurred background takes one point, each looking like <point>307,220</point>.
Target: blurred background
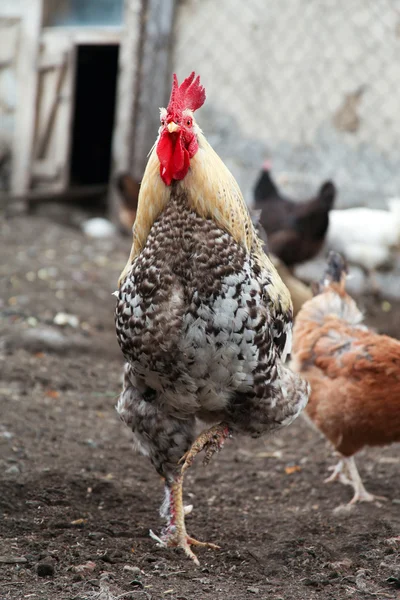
<point>312,85</point>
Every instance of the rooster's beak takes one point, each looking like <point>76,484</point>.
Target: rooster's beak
<point>172,127</point>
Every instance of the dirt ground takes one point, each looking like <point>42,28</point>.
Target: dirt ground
<point>76,503</point>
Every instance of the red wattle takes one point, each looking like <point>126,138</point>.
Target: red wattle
<point>173,156</point>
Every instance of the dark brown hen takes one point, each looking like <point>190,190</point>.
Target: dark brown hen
<point>295,230</point>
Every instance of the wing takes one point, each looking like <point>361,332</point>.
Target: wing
<point>276,298</point>
<point>359,356</point>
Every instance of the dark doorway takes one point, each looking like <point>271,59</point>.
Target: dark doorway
<point>92,127</point>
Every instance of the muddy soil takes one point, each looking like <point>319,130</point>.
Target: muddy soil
<point>76,503</point>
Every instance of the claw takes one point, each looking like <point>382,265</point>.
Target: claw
<point>338,474</point>
<point>175,534</point>
<point>187,509</point>
<point>346,472</point>
<point>211,440</point>
<point>194,542</point>
<point>184,542</point>
<point>364,496</point>
<point>157,539</point>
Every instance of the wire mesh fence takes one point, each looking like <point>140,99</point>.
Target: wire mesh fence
<point>312,85</point>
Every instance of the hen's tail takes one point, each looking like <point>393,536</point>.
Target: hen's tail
<point>265,186</point>
<point>335,273</point>
<point>326,195</point>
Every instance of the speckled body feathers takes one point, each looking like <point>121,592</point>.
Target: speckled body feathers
<point>201,336</point>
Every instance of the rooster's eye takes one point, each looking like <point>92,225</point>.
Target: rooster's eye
<point>163,122</point>
<point>189,122</point>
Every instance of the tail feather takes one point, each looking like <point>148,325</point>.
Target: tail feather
<point>265,187</point>
<point>326,194</point>
<point>336,272</point>
<point>337,268</point>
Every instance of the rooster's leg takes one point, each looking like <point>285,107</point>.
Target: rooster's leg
<point>211,440</point>
<point>175,534</point>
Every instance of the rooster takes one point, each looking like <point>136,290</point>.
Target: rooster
<point>202,317</point>
<point>354,374</point>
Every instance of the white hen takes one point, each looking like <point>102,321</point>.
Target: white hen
<point>365,236</point>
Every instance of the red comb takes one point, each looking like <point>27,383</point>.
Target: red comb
<point>190,94</point>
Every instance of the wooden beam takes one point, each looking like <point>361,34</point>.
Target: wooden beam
<point>144,85</point>
<point>43,141</point>
<point>37,196</point>
<point>127,90</point>
<point>98,36</point>
<point>45,170</point>
<point>26,77</point>
<point>154,79</point>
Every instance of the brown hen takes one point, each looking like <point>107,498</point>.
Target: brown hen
<point>354,374</point>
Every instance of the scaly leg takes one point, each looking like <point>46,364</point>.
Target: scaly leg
<point>211,440</point>
<point>360,493</point>
<point>347,473</point>
<point>164,438</point>
<point>175,534</point>
<point>338,474</point>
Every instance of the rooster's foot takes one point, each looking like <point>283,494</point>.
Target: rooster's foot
<point>210,440</point>
<point>184,541</point>
<point>175,535</point>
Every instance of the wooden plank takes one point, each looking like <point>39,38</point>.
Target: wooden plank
<point>44,169</point>
<point>44,138</point>
<point>9,35</point>
<point>127,90</point>
<point>47,64</point>
<point>9,38</point>
<point>154,83</point>
<point>36,196</point>
<point>55,103</point>
<point>67,107</point>
<point>144,85</point>
<point>26,76</point>
<point>88,35</point>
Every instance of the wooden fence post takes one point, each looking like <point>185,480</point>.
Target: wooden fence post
<point>145,65</point>
<point>154,81</point>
